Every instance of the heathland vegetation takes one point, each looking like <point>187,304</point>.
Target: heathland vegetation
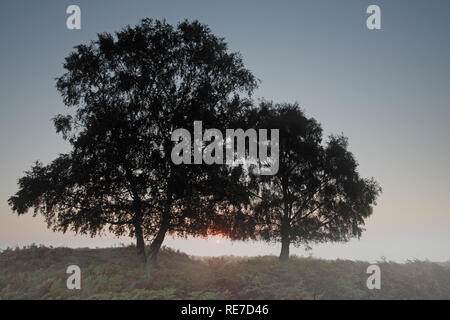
<point>117,273</point>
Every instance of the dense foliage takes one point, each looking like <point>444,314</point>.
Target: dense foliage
<point>317,195</point>
<point>127,93</point>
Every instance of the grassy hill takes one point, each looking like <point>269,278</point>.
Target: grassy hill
<point>115,273</point>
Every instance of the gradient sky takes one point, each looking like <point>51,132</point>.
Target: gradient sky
<point>387,90</point>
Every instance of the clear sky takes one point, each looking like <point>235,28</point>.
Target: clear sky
<point>387,90</point>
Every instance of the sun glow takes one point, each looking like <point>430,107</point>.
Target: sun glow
<point>217,239</point>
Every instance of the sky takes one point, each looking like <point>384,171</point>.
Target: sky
<point>387,90</point>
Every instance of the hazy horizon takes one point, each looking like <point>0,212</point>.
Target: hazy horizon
<point>387,90</point>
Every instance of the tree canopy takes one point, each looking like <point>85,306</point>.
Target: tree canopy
<point>318,194</point>
<point>127,93</point>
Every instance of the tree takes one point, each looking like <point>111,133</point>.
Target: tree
<point>128,92</point>
<point>318,194</point>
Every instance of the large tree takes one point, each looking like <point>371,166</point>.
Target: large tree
<point>127,93</point>
<point>317,194</point>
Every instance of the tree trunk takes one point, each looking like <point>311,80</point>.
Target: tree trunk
<point>285,228</point>
<point>284,254</point>
<point>165,224</point>
<point>285,238</point>
<point>156,244</point>
<point>140,244</point>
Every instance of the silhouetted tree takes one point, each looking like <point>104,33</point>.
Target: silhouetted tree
<point>317,194</point>
<point>128,92</point>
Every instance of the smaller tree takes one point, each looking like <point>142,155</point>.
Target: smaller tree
<point>317,194</point>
